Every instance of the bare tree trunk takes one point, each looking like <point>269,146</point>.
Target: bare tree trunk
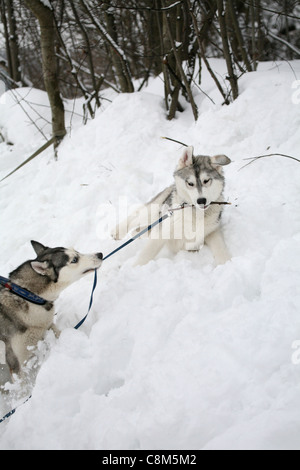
<point>117,60</point>
<point>6,35</point>
<point>11,39</point>
<point>159,22</point>
<point>172,82</point>
<point>14,43</point>
<point>153,42</point>
<point>96,86</point>
<point>46,20</point>
<point>254,49</point>
<point>175,46</point>
<point>233,80</point>
<point>238,34</point>
<point>260,33</point>
<point>180,69</point>
<point>202,37</point>
<point>117,54</point>
<point>75,68</point>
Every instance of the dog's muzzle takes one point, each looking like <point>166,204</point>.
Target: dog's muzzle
<point>202,202</point>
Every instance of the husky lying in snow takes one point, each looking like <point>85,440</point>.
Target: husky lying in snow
<point>199,182</point>
<point>22,323</point>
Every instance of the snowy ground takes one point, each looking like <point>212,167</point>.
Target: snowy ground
<point>177,354</point>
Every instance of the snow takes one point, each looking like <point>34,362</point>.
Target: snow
<point>46,3</point>
<point>178,354</point>
<point>26,116</point>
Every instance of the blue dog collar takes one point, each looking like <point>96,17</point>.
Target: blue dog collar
<point>21,292</point>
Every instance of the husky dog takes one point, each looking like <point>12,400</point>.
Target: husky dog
<point>199,182</point>
<point>22,323</point>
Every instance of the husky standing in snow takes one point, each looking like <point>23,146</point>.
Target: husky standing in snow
<point>23,323</point>
<point>199,182</point>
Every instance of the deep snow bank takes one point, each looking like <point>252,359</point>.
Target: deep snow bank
<point>177,354</point>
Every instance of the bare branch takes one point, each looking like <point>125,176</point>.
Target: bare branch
<point>254,159</point>
<point>277,38</point>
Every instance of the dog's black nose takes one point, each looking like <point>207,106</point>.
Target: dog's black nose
<point>100,255</point>
<point>202,201</point>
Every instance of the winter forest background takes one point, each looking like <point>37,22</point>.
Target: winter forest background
<point>180,353</point>
<point>78,48</point>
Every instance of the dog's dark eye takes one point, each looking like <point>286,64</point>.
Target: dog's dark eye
<point>75,260</point>
<point>207,181</point>
<point>189,183</point>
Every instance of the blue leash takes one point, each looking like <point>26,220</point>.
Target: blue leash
<point>138,235</point>
<point>91,302</point>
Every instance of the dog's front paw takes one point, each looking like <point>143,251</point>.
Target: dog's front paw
<point>55,330</point>
<point>222,258</point>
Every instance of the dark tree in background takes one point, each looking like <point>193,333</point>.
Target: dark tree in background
<point>81,47</point>
<point>11,40</point>
<point>45,16</point>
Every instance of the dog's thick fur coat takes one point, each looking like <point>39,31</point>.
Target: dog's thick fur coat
<point>23,324</point>
<point>199,181</point>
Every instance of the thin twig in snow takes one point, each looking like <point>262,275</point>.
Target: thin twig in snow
<point>254,159</point>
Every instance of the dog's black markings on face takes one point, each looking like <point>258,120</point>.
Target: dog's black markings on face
<point>56,258</point>
<point>204,164</point>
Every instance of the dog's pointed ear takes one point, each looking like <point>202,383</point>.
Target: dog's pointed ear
<point>45,269</point>
<point>40,268</point>
<point>187,158</point>
<point>38,247</point>
<point>220,160</point>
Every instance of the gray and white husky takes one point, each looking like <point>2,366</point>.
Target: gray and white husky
<point>199,182</point>
<point>22,323</point>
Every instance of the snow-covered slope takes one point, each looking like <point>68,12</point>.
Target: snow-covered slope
<point>177,354</point>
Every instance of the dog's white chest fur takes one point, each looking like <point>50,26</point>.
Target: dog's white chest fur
<point>36,317</point>
<point>199,184</point>
<point>190,227</point>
